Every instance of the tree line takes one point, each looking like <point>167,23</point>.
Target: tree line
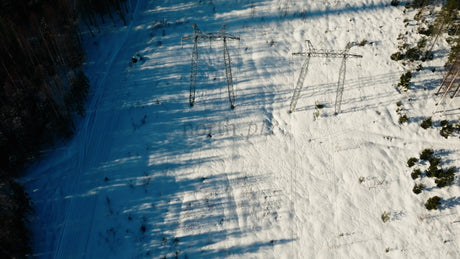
<point>42,90</point>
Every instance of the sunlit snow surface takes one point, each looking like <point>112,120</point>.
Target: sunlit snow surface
<point>141,178</point>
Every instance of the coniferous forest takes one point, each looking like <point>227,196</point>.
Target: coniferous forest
<point>42,91</point>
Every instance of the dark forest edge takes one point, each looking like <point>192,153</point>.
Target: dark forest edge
<point>42,92</point>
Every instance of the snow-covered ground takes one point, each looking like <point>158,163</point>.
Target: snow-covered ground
<point>141,178</point>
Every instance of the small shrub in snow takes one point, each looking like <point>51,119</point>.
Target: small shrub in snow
<point>434,161</point>
<point>403,119</point>
<point>363,43</point>
<point>445,177</point>
<point>454,52</point>
<point>427,154</point>
<point>433,203</point>
<point>394,2</point>
<point>414,54</point>
<point>316,114</point>
<point>451,170</point>
<point>447,130</point>
<point>319,106</point>
<point>385,216</point>
<point>426,32</point>
<point>444,181</point>
<point>422,43</point>
<point>399,103</point>
<point>411,161</point>
<point>418,188</point>
<point>397,56</point>
<point>432,171</point>
<point>416,173</point>
<point>405,80</point>
<point>444,123</point>
<point>426,123</point>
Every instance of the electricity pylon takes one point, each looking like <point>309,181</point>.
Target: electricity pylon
<point>220,35</point>
<point>312,52</point>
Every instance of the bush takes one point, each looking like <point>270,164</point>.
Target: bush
<point>427,154</point>
<point>394,2</point>
<point>454,52</point>
<point>405,80</point>
<point>413,54</point>
<point>451,171</point>
<point>385,216</point>
<point>403,119</point>
<point>426,123</point>
<point>411,161</point>
<point>433,203</point>
<point>397,56</point>
<point>444,181</point>
<point>447,130</point>
<point>418,188</point>
<point>432,171</point>
<point>416,173</point>
<point>363,43</point>
<point>445,177</point>
<point>422,43</point>
<point>434,161</point>
<point>426,32</point>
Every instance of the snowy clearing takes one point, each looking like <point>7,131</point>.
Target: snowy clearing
<point>146,175</point>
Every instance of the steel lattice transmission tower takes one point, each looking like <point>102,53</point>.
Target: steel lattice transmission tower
<point>220,35</point>
<point>312,52</point>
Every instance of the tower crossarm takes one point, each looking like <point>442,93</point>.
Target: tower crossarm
<point>327,54</point>
<point>210,37</point>
<point>197,34</point>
